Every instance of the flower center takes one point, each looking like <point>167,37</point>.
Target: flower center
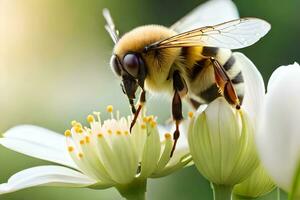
<point>101,146</point>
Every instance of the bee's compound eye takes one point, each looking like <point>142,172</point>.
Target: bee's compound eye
<point>114,63</point>
<point>132,64</point>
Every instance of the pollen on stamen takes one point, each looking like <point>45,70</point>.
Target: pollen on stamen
<point>67,133</point>
<point>90,118</point>
<point>168,136</point>
<point>100,135</point>
<point>191,114</point>
<point>87,139</point>
<point>153,124</point>
<point>150,118</point>
<point>80,155</point>
<point>82,142</point>
<point>78,129</point>
<point>77,124</point>
<point>109,108</point>
<point>73,122</point>
<point>70,148</point>
<point>145,119</point>
<point>143,126</point>
<point>118,132</point>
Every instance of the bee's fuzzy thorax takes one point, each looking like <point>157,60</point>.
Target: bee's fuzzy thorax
<point>158,62</point>
<point>136,39</point>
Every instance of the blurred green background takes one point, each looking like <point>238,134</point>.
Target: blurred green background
<point>54,57</point>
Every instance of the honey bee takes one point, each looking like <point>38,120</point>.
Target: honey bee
<point>190,60</point>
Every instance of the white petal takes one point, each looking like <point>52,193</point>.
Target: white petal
<point>254,86</point>
<point>45,176</point>
<point>151,152</point>
<point>279,138</point>
<point>182,148</point>
<point>281,73</point>
<point>39,143</point>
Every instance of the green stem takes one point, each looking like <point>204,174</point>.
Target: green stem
<point>278,193</point>
<point>135,190</point>
<point>222,192</point>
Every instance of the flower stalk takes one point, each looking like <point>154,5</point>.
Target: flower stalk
<point>133,191</point>
<point>222,192</point>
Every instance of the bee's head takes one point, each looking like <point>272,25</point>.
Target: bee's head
<point>135,66</point>
<point>130,51</point>
<point>131,68</point>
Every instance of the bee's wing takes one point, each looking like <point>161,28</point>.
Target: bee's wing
<point>110,26</point>
<point>234,34</point>
<point>209,13</point>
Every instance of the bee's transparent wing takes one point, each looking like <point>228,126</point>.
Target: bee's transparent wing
<point>234,34</point>
<point>210,13</point>
<point>110,26</point>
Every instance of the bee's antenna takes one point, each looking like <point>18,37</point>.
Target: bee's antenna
<point>110,26</point>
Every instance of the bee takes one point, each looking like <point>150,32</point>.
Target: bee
<point>190,60</point>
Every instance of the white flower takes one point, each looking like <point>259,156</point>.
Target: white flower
<point>104,155</point>
<point>279,138</point>
<point>221,138</point>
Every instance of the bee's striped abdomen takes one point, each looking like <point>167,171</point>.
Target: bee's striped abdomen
<point>202,79</point>
<point>197,68</point>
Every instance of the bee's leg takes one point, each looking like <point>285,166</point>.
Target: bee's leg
<point>194,103</point>
<point>224,83</point>
<point>180,89</point>
<point>142,101</point>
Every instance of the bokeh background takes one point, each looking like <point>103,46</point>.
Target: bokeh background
<point>54,68</point>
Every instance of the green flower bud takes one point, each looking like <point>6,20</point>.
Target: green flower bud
<point>222,145</point>
<point>258,184</point>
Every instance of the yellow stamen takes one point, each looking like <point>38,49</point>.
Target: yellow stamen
<point>126,132</point>
<point>73,123</point>
<point>150,118</point>
<point>67,133</point>
<point>80,155</point>
<point>109,131</point>
<point>77,124</point>
<point>81,142</point>
<point>145,119</point>
<point>109,108</point>
<point>153,124</point>
<point>87,139</point>
<point>118,132</point>
<point>70,148</point>
<point>168,136</point>
<point>78,129</point>
<point>100,135</point>
<point>90,118</point>
<point>143,126</point>
<point>191,114</point>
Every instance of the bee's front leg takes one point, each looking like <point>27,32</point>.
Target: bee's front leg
<point>142,101</point>
<point>225,85</point>
<point>180,89</point>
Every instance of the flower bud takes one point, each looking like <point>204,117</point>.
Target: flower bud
<point>221,142</point>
